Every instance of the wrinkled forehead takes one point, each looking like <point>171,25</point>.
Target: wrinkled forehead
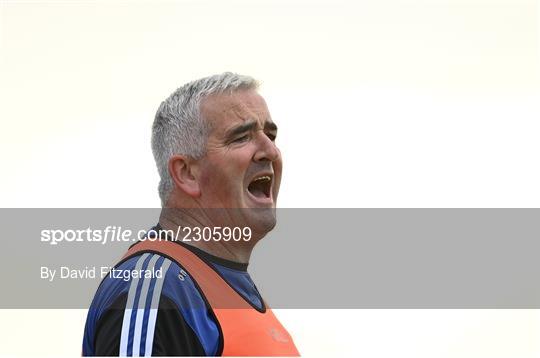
<point>224,110</point>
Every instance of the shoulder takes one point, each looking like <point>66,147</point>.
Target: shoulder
<point>141,280</point>
<point>143,277</point>
<point>144,298</point>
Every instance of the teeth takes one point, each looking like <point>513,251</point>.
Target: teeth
<point>266,177</point>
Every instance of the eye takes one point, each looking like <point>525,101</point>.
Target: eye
<point>272,136</point>
<point>241,139</point>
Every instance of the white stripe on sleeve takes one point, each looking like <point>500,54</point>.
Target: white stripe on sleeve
<point>154,309</point>
<point>140,308</point>
<point>129,307</point>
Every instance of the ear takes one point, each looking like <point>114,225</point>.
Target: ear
<point>181,172</point>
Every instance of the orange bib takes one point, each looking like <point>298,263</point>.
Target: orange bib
<point>245,331</point>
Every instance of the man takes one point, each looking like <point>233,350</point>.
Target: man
<point>214,144</point>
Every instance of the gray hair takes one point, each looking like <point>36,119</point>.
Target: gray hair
<point>178,126</point>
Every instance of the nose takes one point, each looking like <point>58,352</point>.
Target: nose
<point>266,149</point>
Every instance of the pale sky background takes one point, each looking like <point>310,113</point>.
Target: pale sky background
<point>380,103</point>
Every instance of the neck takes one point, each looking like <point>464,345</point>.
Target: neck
<point>179,220</point>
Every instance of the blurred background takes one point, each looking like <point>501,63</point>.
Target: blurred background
<point>384,103</point>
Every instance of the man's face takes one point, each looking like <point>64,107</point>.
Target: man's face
<point>242,167</point>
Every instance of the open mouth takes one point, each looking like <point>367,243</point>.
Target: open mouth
<point>261,186</point>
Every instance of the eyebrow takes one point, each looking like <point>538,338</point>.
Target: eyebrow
<point>246,127</point>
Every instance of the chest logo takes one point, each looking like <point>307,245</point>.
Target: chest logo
<point>278,336</point>
<point>182,275</point>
